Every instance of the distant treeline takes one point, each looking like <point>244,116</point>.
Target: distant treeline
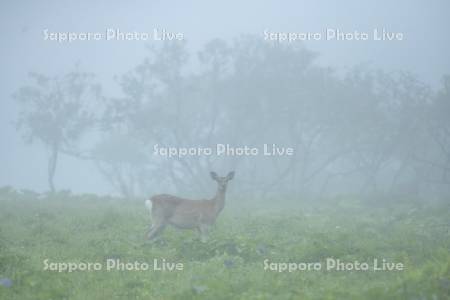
<point>359,131</point>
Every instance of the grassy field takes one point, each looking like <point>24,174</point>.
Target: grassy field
<point>68,228</point>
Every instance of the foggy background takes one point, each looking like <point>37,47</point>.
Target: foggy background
<point>354,128</point>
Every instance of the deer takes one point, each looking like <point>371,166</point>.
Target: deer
<point>186,213</point>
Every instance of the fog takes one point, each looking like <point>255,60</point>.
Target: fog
<point>364,117</point>
<point>225,150</point>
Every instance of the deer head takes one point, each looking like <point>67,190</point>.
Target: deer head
<point>222,181</point>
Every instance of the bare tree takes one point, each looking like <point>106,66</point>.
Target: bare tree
<point>54,111</point>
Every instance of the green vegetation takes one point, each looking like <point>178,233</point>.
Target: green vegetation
<point>67,228</point>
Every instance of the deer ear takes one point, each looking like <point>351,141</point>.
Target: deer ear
<point>213,175</point>
<point>230,175</point>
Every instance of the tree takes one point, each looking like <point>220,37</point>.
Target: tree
<point>123,163</point>
<point>438,128</point>
<point>55,112</point>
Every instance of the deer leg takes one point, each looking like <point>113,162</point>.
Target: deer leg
<point>156,229</point>
<point>203,232</point>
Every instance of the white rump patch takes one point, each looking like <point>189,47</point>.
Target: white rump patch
<point>148,204</point>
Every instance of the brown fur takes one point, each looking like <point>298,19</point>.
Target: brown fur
<point>189,214</point>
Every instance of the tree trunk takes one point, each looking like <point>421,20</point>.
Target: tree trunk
<point>52,161</point>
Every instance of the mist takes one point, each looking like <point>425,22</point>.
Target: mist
<point>305,115</point>
<point>423,53</point>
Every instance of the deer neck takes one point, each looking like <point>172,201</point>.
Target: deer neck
<point>219,199</point>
